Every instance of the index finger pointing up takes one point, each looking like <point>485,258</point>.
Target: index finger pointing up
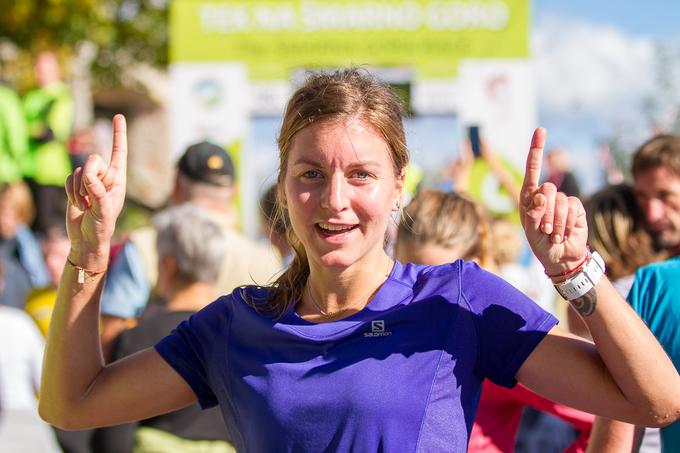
<point>119,150</point>
<point>534,162</point>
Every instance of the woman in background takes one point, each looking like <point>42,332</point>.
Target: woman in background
<point>19,249</point>
<point>616,229</point>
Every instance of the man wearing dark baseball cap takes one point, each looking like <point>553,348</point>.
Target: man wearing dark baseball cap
<point>207,163</point>
<point>206,177</point>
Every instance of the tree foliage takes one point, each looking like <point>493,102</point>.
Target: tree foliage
<point>123,32</point>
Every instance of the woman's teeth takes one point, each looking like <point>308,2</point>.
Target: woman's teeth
<point>328,227</point>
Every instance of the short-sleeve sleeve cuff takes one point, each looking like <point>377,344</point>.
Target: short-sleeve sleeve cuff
<point>172,351</point>
<point>507,379</point>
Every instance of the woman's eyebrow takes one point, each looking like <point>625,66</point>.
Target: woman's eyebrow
<point>306,161</point>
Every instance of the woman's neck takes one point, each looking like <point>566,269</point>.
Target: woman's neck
<point>332,293</point>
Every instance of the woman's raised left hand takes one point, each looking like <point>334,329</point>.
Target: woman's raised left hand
<point>554,224</point>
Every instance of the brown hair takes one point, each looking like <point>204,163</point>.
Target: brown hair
<point>660,151</point>
<point>448,219</point>
<point>507,240</point>
<point>271,212</point>
<point>19,195</point>
<point>331,96</point>
<point>616,230</point>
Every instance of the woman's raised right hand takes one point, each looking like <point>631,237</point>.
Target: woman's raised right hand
<point>96,193</point>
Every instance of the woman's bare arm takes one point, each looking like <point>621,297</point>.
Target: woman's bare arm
<point>611,436</point>
<point>77,389</point>
<point>626,375</point>
<point>617,377</point>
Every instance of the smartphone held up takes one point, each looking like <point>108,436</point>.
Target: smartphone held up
<point>475,141</point>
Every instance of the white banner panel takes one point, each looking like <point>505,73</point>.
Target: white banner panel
<point>211,101</point>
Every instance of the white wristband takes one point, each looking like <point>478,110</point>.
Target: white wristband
<point>584,280</point>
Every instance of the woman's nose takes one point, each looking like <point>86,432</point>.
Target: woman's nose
<point>336,197</point>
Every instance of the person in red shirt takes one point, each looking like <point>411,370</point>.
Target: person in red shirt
<point>500,412</point>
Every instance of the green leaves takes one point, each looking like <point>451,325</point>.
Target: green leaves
<point>123,32</point>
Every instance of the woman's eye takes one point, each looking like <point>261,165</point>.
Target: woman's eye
<point>311,174</point>
<point>361,175</point>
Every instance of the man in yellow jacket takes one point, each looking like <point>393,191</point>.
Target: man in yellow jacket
<point>49,114</point>
<point>13,139</point>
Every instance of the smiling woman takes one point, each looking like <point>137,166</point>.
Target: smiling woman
<point>350,350</point>
<point>336,186</point>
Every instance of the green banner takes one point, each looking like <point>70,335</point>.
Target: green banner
<point>276,37</point>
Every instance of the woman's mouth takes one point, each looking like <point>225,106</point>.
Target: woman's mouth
<point>334,230</point>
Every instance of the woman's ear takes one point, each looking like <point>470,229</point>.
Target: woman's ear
<point>397,204</point>
<point>399,188</point>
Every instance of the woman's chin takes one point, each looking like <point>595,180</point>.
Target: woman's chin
<point>336,262</point>
<point>342,259</point>
<point>338,259</point>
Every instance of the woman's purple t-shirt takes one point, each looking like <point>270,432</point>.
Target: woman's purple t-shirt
<point>403,374</point>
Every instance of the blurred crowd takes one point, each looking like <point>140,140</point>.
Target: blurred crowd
<point>192,252</point>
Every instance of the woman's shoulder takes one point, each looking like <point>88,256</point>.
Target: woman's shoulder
<point>251,292</point>
<point>240,303</point>
<point>449,279</point>
<point>246,299</point>
<point>462,282</point>
<point>459,270</point>
<point>245,295</point>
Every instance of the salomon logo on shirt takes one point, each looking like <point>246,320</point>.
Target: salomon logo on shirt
<point>378,329</point>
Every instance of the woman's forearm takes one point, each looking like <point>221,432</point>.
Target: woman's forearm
<point>611,436</point>
<point>73,356</point>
